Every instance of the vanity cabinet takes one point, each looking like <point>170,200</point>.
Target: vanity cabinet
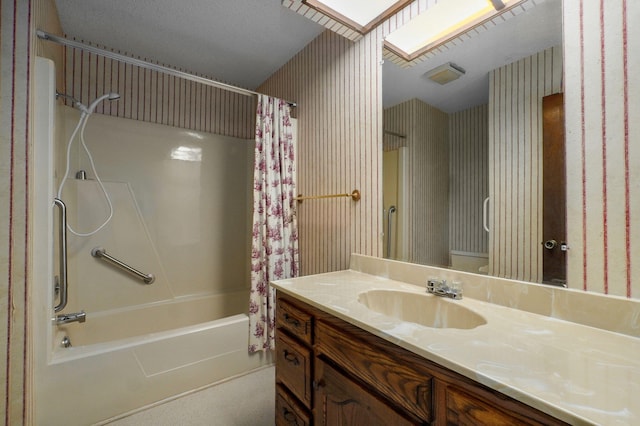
<point>329,372</point>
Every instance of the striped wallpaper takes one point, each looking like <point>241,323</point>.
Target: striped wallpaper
<point>468,183</point>
<point>515,162</point>
<point>427,137</point>
<point>17,51</point>
<point>154,97</point>
<point>337,85</point>
<point>602,99</point>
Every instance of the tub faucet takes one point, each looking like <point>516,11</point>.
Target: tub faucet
<point>440,288</point>
<point>74,317</point>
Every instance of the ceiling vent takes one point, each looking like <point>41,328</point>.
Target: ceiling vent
<point>445,73</point>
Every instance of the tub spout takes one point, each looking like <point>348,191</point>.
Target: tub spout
<point>67,318</point>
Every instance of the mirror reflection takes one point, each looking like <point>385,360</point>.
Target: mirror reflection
<point>464,161</point>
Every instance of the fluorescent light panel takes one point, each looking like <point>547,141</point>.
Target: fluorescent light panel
<point>360,11</point>
<point>439,23</point>
<point>359,15</point>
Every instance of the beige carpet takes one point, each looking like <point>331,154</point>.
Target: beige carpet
<point>245,401</point>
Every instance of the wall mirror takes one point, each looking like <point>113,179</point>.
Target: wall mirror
<point>463,161</point>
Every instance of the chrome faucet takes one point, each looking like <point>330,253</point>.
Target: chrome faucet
<point>440,288</point>
<point>67,318</point>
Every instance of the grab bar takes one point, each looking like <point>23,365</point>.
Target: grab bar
<point>391,210</point>
<point>485,216</point>
<point>63,254</point>
<point>102,254</point>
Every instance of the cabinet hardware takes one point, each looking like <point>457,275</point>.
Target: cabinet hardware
<point>289,416</point>
<point>291,320</point>
<point>317,384</point>
<point>292,358</point>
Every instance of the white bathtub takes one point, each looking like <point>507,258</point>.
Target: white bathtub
<point>90,384</point>
<point>153,318</point>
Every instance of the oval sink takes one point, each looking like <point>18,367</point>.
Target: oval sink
<point>424,309</point>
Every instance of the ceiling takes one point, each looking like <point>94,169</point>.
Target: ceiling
<point>243,42</point>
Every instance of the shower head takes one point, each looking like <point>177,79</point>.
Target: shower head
<point>110,96</point>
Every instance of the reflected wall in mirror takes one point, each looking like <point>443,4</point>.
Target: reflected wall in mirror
<point>477,138</point>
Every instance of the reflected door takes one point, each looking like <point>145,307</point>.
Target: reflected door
<point>554,259</point>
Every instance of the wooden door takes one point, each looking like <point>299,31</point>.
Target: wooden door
<point>554,262</point>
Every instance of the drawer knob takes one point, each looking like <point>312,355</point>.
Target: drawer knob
<point>291,320</point>
<point>292,358</point>
<point>317,384</point>
<point>290,416</point>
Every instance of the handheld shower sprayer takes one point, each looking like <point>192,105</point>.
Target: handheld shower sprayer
<point>84,117</point>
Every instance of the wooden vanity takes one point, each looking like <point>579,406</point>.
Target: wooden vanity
<point>330,372</point>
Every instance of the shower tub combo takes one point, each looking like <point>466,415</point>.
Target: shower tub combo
<point>181,211</point>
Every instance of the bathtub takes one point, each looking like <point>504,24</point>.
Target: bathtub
<point>91,384</point>
<point>128,324</point>
<point>140,344</point>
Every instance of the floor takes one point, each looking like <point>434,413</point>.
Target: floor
<point>247,400</point>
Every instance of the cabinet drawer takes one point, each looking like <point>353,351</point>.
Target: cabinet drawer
<point>473,405</point>
<point>393,374</point>
<point>294,320</point>
<point>293,367</point>
<point>288,410</point>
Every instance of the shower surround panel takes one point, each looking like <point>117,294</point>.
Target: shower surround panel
<point>182,212</point>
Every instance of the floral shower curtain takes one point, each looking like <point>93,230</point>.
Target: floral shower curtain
<point>274,248</point>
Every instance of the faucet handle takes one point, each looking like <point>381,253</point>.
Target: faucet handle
<point>456,289</point>
<point>436,286</point>
<point>431,284</point>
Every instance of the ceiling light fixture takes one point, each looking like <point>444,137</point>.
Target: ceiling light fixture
<point>441,22</point>
<point>445,73</point>
<point>359,15</point>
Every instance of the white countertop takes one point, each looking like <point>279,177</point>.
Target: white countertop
<point>577,373</point>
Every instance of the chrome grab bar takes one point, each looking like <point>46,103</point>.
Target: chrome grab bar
<point>485,216</point>
<point>102,254</point>
<point>391,210</point>
<point>63,254</point>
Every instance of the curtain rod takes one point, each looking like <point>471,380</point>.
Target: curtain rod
<point>148,65</point>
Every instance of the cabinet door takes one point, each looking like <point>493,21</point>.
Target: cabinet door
<point>340,401</point>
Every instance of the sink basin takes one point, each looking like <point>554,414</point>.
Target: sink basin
<point>424,309</point>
